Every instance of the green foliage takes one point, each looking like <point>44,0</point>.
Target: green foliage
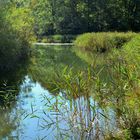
<point>42,12</point>
<point>7,96</point>
<point>21,21</point>
<point>10,45</point>
<point>76,17</point>
<point>119,92</point>
<point>101,42</point>
<point>49,17</point>
<point>131,50</point>
<point>15,34</point>
<point>59,39</point>
<point>57,58</point>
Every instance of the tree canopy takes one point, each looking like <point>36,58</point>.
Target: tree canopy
<point>78,16</point>
<point>48,17</point>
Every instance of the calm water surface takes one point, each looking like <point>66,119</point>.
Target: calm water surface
<point>38,112</point>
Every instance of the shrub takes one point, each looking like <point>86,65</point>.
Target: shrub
<point>100,42</point>
<point>12,48</point>
<point>14,45</point>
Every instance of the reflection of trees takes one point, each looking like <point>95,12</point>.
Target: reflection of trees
<point>8,123</point>
<point>91,58</point>
<point>46,61</point>
<point>10,82</point>
<point>114,112</point>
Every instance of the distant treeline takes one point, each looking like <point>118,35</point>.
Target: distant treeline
<point>78,16</point>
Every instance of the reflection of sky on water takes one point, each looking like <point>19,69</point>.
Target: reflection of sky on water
<point>31,105</point>
<point>39,114</point>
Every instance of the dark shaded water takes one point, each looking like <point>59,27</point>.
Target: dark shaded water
<point>33,108</point>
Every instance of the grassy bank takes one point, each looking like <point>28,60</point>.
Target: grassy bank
<point>101,42</point>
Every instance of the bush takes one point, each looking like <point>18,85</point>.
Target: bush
<point>100,42</point>
<point>14,46</point>
<point>12,49</point>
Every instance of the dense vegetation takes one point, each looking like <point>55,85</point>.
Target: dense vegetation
<point>78,16</point>
<point>101,42</point>
<point>22,20</point>
<point>49,17</point>
<point>100,73</point>
<point>15,34</point>
<point>110,79</point>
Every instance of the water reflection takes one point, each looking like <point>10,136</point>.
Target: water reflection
<point>48,61</point>
<point>76,119</point>
<point>57,96</point>
<point>10,82</point>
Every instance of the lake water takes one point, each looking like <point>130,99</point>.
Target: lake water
<point>37,106</point>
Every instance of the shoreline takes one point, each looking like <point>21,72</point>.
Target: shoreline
<point>54,44</point>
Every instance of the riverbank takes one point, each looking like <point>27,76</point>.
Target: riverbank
<point>53,44</point>
<point>68,38</point>
<point>105,41</point>
<point>73,81</point>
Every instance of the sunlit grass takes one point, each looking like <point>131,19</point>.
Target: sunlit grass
<point>101,42</point>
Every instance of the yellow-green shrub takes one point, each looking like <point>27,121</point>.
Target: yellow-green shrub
<point>100,42</point>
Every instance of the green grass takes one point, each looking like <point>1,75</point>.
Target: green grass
<point>101,42</point>
<point>131,50</point>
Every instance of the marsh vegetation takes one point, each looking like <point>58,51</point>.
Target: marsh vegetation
<point>88,91</point>
<point>65,94</point>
